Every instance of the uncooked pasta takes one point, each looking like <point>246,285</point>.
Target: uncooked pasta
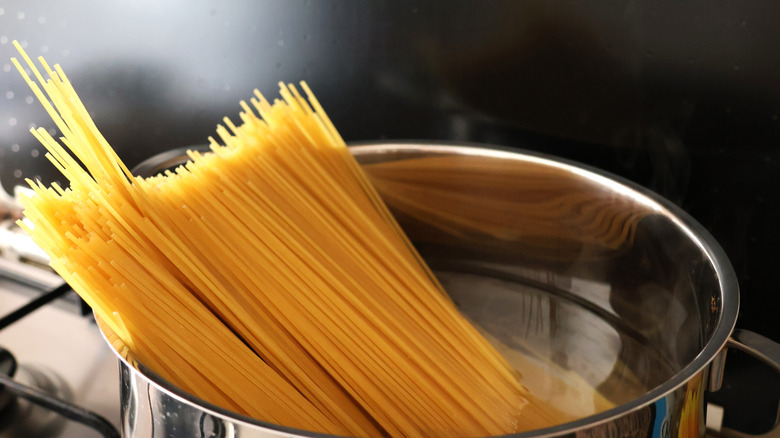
<point>266,276</point>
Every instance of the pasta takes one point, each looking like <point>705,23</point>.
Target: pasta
<point>266,276</point>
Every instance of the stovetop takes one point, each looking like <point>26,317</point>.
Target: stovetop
<point>58,342</point>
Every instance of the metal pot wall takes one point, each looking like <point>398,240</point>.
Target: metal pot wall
<point>581,272</point>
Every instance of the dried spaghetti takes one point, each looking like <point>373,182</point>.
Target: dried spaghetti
<point>266,277</point>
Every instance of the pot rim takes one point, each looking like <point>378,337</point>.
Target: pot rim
<point>727,280</point>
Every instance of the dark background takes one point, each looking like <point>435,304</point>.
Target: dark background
<point>682,97</point>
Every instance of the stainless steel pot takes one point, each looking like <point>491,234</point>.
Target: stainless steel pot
<point>591,278</point>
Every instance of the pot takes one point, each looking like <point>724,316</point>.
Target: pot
<point>586,276</point>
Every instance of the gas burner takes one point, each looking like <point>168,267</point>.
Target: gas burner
<point>7,368</point>
<point>37,401</point>
<point>24,419</point>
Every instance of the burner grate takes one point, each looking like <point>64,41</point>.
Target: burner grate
<point>44,395</point>
<point>7,368</point>
<point>54,397</point>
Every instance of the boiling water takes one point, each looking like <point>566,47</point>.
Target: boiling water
<point>574,354</point>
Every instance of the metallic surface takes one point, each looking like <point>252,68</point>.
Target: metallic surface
<point>758,346</point>
<point>716,371</point>
<point>636,314</point>
<point>765,350</point>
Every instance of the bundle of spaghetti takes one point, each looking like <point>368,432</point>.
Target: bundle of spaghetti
<point>267,277</point>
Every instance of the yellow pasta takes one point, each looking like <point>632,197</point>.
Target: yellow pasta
<point>266,277</point>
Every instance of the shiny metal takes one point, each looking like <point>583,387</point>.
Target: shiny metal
<point>717,367</point>
<point>759,347</point>
<point>756,345</point>
<point>767,351</point>
<point>576,269</point>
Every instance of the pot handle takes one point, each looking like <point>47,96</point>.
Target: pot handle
<point>759,347</point>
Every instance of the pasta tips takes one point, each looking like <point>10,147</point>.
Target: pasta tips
<point>267,277</point>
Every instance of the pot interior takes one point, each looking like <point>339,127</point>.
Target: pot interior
<point>595,283</point>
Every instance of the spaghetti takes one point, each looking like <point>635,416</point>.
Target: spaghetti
<point>266,276</point>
